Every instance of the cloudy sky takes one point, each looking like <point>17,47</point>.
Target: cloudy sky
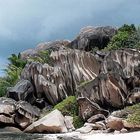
<point>25,23</point>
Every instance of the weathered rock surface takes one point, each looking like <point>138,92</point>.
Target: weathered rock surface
<point>53,46</point>
<point>23,90</point>
<point>26,114</point>
<point>85,129</point>
<point>89,127</point>
<point>102,82</point>
<point>88,108</point>
<point>128,59</point>
<point>6,120</point>
<point>7,106</point>
<point>58,82</point>
<point>7,110</point>
<point>92,37</point>
<point>54,122</point>
<point>10,129</point>
<point>96,118</point>
<point>115,123</point>
<point>19,114</point>
<point>69,123</point>
<point>106,90</point>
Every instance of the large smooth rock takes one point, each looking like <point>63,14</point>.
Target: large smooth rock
<point>23,90</point>
<point>54,122</point>
<point>92,37</point>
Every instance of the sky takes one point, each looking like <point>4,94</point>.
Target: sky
<point>25,23</point>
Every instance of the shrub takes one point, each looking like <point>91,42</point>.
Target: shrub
<point>42,57</point>
<point>69,106</point>
<point>127,37</point>
<point>13,71</point>
<point>134,114</point>
<point>3,86</point>
<point>127,28</point>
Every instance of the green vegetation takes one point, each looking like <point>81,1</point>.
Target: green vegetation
<point>127,37</point>
<point>3,86</point>
<point>134,114</point>
<point>42,57</point>
<point>82,83</point>
<point>69,107</point>
<point>13,71</point>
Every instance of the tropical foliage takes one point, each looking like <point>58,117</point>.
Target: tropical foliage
<point>13,71</point>
<point>128,36</point>
<point>41,57</point>
<point>69,107</point>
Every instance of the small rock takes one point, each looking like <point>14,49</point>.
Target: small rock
<point>69,123</point>
<point>96,131</point>
<point>115,123</point>
<point>108,130</point>
<point>96,118</point>
<point>101,124</point>
<point>10,129</point>
<point>116,132</point>
<point>94,126</point>
<point>85,129</point>
<point>123,130</point>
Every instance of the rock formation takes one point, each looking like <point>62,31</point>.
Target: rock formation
<point>23,90</point>
<point>57,82</point>
<point>93,37</point>
<point>106,84</point>
<point>19,114</point>
<point>55,45</point>
<point>102,82</point>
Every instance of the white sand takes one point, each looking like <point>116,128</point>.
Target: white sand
<point>125,136</point>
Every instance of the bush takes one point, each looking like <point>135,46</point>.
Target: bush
<point>13,71</point>
<point>127,28</point>
<point>42,57</point>
<point>69,106</point>
<point>127,37</point>
<point>3,86</point>
<point>134,114</point>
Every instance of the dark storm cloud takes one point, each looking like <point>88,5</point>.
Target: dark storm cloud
<point>25,23</point>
